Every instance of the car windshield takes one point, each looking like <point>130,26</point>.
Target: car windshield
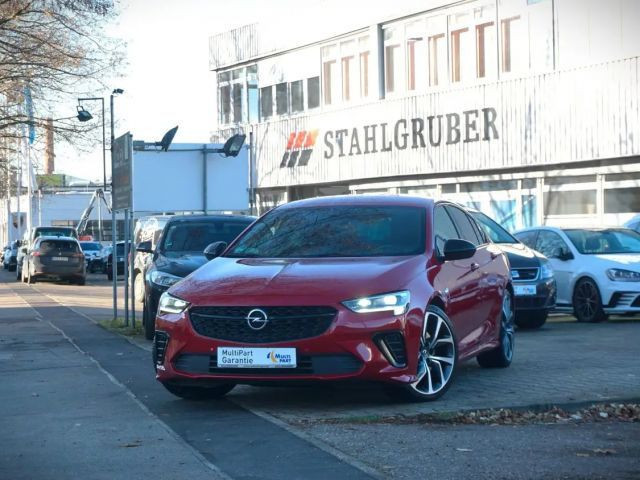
<point>54,246</point>
<point>195,236</point>
<point>336,231</point>
<point>90,246</point>
<point>609,241</point>
<point>495,232</point>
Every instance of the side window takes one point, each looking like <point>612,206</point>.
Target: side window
<point>549,242</point>
<point>480,232</point>
<point>443,229</point>
<point>528,238</point>
<point>464,226</point>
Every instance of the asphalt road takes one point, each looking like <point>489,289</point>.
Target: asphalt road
<point>81,402</point>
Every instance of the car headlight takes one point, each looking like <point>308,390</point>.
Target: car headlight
<point>396,302</point>
<point>620,275</point>
<point>170,304</point>
<point>546,271</point>
<point>164,279</point>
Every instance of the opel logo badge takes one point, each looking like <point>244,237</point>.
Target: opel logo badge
<point>257,319</point>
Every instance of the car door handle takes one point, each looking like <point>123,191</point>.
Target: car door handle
<point>474,266</point>
<point>494,255</point>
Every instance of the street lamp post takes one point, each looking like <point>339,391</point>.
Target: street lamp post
<point>81,111</point>
<point>114,229</point>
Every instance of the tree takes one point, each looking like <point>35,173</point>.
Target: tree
<point>52,51</point>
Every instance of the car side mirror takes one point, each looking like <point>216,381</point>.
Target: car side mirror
<point>214,250</point>
<point>562,254</point>
<point>144,247</point>
<point>457,249</point>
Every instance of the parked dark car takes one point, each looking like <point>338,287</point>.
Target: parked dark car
<point>50,231</point>
<point>396,290</point>
<point>119,262</point>
<point>533,277</point>
<point>93,256</point>
<point>9,260</point>
<point>54,257</point>
<point>180,251</point>
<point>147,229</point>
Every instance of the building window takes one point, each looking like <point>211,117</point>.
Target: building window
<point>391,67</point>
<point>330,75</point>
<point>457,54</point>
<point>297,96</point>
<point>282,106</point>
<point>266,102</point>
<point>577,202</point>
<point>437,59</point>
<point>347,75</point>
<point>313,92</point>
<point>349,70</point>
<point>622,200</point>
<point>252,93</point>
<point>363,48</point>
<point>237,102</point>
<point>509,28</point>
<point>485,49</point>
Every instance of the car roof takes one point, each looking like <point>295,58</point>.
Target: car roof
<point>362,200</point>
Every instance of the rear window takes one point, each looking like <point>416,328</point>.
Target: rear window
<point>55,232</point>
<point>194,236</point>
<point>90,246</point>
<point>58,246</point>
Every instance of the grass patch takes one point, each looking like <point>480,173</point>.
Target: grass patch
<point>117,325</point>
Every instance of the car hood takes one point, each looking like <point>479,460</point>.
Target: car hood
<point>180,265</point>
<point>245,281</point>
<point>521,256</point>
<point>618,260</point>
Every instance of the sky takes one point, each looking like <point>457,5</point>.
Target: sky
<point>167,81</point>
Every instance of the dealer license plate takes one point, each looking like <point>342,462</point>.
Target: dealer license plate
<point>524,290</point>
<point>60,259</point>
<point>245,357</point>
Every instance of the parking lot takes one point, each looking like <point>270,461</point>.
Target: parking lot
<point>564,364</point>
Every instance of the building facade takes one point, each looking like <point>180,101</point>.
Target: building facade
<point>528,110</point>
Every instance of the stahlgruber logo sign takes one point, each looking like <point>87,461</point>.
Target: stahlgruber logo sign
<point>299,148</point>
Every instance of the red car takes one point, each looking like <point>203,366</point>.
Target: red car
<point>396,290</point>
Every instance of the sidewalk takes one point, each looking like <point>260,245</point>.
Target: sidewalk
<point>63,417</point>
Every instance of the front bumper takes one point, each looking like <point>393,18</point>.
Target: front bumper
<point>544,298</point>
<point>620,297</point>
<point>348,350</point>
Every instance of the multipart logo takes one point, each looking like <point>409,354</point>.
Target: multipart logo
<point>299,148</point>
<point>279,357</point>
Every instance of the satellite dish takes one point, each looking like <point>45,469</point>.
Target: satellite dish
<point>167,139</point>
<point>233,146</point>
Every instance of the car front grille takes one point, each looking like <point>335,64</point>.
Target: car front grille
<point>306,365</point>
<point>524,274</point>
<point>283,324</point>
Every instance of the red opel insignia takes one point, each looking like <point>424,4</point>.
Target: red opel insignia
<point>396,290</point>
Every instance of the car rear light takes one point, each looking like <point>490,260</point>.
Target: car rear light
<point>36,253</point>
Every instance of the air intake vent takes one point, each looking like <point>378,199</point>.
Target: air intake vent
<point>392,346</point>
<point>160,341</point>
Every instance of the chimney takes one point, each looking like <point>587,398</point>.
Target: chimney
<point>49,155</point>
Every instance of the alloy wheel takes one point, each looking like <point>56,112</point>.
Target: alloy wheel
<point>586,300</point>
<point>507,330</point>
<point>437,355</point>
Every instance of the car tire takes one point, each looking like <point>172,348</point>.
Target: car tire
<point>19,275</point>
<point>531,320</point>
<point>437,362</point>
<point>148,323</point>
<point>199,393</point>
<point>81,281</point>
<point>587,302</point>
<point>502,355</point>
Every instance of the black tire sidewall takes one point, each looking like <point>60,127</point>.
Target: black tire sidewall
<point>599,313</point>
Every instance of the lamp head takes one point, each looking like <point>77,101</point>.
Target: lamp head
<point>83,115</point>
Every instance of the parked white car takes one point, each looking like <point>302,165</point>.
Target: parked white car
<point>634,223</point>
<point>597,270</point>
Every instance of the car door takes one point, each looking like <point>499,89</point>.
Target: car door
<point>549,243</point>
<point>458,279</point>
<point>490,271</point>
